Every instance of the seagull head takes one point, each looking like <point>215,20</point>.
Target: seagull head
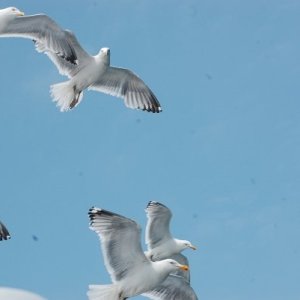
<point>12,11</point>
<point>104,54</point>
<point>173,265</point>
<point>183,244</point>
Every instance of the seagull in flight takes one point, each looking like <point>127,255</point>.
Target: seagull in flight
<point>161,244</point>
<point>159,240</point>
<point>83,70</point>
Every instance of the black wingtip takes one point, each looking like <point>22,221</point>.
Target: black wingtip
<point>5,238</point>
<point>155,203</point>
<point>95,211</point>
<point>155,106</point>
<point>153,109</point>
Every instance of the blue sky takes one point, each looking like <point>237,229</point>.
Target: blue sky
<point>223,155</point>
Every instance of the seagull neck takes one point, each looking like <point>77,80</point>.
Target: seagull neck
<point>179,244</point>
<point>103,59</point>
<point>5,18</point>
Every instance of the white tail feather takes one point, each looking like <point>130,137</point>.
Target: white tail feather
<point>103,292</point>
<point>63,93</point>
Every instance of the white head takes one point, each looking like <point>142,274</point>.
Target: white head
<point>11,11</point>
<point>183,244</point>
<point>172,265</point>
<point>104,54</point>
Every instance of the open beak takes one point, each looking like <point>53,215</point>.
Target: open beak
<point>20,14</point>
<point>184,268</point>
<point>193,247</point>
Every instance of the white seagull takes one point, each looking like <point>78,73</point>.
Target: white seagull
<point>131,272</point>
<point>161,244</point>
<point>84,71</point>
<point>159,240</point>
<point>4,234</point>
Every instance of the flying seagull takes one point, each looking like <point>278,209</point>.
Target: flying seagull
<point>4,234</point>
<point>83,70</point>
<point>160,245</point>
<point>159,240</point>
<point>131,272</point>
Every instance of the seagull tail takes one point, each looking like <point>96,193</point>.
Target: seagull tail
<point>103,292</point>
<point>66,95</point>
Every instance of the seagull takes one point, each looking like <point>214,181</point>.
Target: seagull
<point>131,272</point>
<point>83,70</point>
<point>4,234</point>
<point>159,240</point>
<point>161,245</point>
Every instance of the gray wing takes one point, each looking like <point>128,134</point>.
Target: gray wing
<point>125,84</point>
<point>158,225</point>
<point>183,261</point>
<point>46,34</point>
<point>120,241</point>
<point>66,67</point>
<point>173,288</point>
<point>4,234</point>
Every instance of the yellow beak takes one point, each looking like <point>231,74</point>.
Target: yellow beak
<point>193,247</point>
<point>184,268</point>
<point>20,14</point>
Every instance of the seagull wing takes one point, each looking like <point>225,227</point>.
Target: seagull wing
<point>66,67</point>
<point>173,288</point>
<point>158,225</point>
<point>120,242</point>
<point>48,36</point>
<point>4,234</point>
<point>125,84</point>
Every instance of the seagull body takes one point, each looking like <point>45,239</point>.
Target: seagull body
<point>84,71</point>
<point>161,244</point>
<point>4,234</point>
<point>159,240</point>
<point>132,273</point>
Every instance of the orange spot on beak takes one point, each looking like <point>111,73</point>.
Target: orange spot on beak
<point>184,268</point>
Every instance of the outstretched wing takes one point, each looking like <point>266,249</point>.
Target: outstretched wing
<point>66,67</point>
<point>158,225</point>
<point>46,34</point>
<point>123,83</point>
<point>120,241</point>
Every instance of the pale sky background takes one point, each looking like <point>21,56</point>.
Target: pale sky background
<point>223,155</point>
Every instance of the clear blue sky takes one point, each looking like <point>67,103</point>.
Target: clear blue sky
<point>223,155</point>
